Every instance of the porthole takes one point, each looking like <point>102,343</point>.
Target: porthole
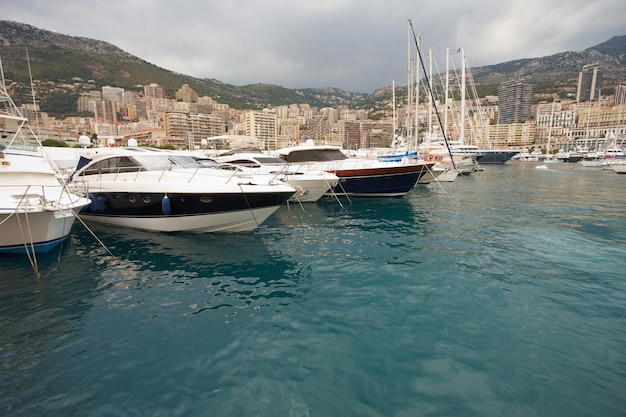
<point>206,199</point>
<point>147,200</point>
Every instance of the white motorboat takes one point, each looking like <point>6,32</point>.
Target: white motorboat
<point>310,184</point>
<point>445,173</point>
<point>619,168</point>
<point>359,177</point>
<point>169,192</point>
<point>37,210</point>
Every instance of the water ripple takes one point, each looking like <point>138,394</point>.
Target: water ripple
<point>502,293</point>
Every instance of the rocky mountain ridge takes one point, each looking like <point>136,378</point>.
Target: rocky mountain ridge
<point>58,59</point>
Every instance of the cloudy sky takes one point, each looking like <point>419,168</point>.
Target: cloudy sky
<point>354,45</point>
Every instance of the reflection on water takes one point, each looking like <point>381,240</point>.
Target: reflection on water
<point>373,232</point>
<point>126,311</point>
<point>210,271</point>
<point>398,214</point>
<point>39,316</point>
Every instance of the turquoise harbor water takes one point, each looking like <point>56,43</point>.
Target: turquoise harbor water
<point>501,294</point>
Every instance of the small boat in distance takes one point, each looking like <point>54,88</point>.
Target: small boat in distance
<point>619,168</point>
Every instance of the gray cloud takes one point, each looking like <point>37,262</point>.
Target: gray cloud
<point>356,45</point>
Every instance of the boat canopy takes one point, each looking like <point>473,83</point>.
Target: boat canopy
<point>314,154</point>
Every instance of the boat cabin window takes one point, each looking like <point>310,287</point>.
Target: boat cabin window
<point>270,160</point>
<point>185,161</point>
<point>206,162</point>
<point>145,162</point>
<point>244,163</point>
<point>112,165</point>
<point>153,162</point>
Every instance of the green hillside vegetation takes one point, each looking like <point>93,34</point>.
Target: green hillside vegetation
<point>64,66</point>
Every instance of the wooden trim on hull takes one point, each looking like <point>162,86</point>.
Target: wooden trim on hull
<point>381,171</point>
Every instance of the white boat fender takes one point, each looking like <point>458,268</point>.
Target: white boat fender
<point>166,205</point>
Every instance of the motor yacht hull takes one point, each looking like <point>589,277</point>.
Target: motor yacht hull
<point>170,192</point>
<point>201,212</point>
<point>34,231</point>
<point>310,184</point>
<point>230,222</point>
<point>378,182</point>
<point>619,168</point>
<point>310,190</point>
<point>36,211</point>
<point>494,157</point>
<point>359,177</point>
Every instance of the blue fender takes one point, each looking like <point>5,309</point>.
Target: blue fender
<point>166,205</point>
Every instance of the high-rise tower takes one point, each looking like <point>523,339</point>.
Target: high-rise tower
<point>587,79</point>
<point>514,102</point>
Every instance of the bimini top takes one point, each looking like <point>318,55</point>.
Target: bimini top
<point>318,153</point>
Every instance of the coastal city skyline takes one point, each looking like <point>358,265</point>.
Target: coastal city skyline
<point>187,120</point>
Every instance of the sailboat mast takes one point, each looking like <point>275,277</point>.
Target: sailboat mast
<point>409,87</point>
<point>430,95</point>
<point>417,99</point>
<point>419,54</point>
<point>446,103</point>
<point>462,133</point>
<point>393,112</point>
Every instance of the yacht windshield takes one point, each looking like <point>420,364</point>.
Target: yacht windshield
<point>153,162</point>
<point>270,160</point>
<point>184,161</point>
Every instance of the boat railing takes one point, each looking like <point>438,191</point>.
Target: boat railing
<point>29,198</point>
<point>79,188</point>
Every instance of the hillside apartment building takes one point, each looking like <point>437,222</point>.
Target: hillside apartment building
<point>187,121</point>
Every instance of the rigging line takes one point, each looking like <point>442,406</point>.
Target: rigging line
<point>92,233</point>
<point>8,217</point>
<point>2,80</point>
<point>440,184</point>
<point>248,204</point>
<point>33,259</point>
<point>53,269</point>
<point>32,89</point>
<point>432,97</point>
<point>32,256</point>
<point>345,193</point>
<point>331,190</point>
<point>299,202</point>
